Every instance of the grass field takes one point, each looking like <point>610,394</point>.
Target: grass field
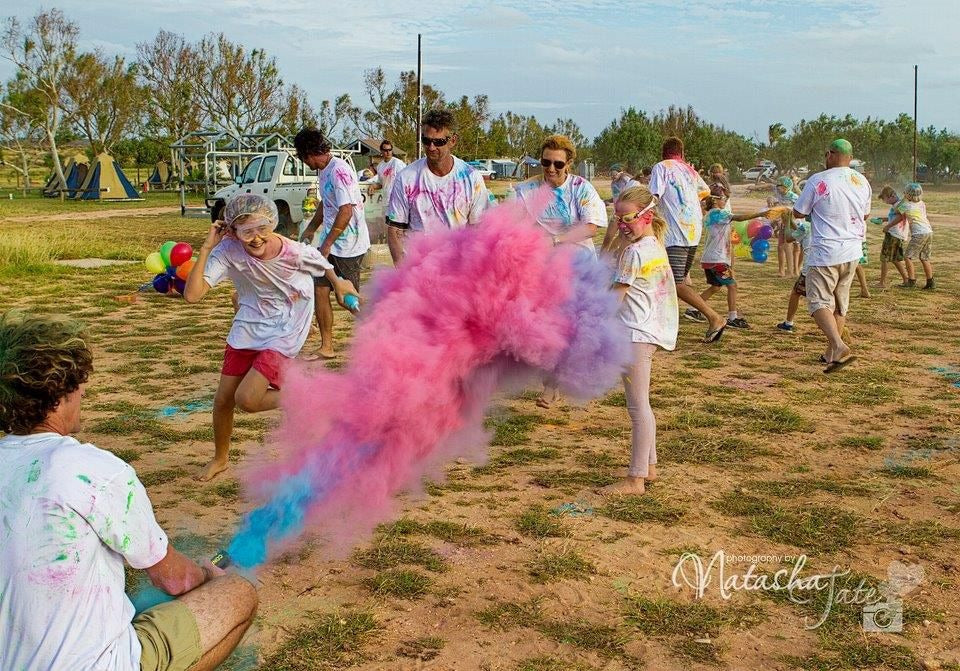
<point>516,565</point>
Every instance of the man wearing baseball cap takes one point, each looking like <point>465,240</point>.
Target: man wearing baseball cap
<point>837,202</point>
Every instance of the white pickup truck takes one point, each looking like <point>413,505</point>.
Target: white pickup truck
<point>284,179</point>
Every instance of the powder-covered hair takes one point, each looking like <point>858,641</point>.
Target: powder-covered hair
<point>560,142</point>
<point>641,197</point>
<point>43,359</point>
<point>913,192</point>
<point>888,191</point>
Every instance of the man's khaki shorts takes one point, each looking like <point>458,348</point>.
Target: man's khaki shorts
<point>829,287</point>
<point>169,636</point>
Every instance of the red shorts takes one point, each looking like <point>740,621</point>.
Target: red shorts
<point>267,362</point>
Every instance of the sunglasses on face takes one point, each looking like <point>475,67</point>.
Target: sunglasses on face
<point>629,218</point>
<point>435,141</point>
<point>558,165</point>
<point>387,150</point>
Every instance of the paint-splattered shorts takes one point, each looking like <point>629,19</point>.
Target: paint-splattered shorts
<point>919,247</point>
<point>169,637</point>
<point>267,362</point>
<point>892,249</point>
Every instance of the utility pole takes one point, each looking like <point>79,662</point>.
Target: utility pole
<point>914,123</point>
<point>420,99</point>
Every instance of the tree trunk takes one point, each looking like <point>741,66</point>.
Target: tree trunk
<point>26,174</point>
<point>57,168</point>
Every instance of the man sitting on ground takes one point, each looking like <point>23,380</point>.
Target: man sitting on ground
<point>71,515</point>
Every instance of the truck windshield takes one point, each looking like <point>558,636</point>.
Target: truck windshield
<point>266,172</point>
<point>250,172</point>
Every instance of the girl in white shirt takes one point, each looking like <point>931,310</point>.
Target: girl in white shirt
<point>649,311</point>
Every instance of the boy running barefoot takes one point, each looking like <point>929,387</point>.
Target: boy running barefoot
<point>895,238</point>
<point>273,276</point>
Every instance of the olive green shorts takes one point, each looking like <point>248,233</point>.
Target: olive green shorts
<point>169,637</point>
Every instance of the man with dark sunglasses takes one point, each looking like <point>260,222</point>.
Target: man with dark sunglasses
<point>436,193</point>
<point>387,170</point>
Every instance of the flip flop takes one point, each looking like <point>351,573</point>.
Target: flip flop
<point>715,335</point>
<point>837,365</point>
<point>823,359</point>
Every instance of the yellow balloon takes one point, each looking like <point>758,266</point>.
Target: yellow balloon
<point>155,264</point>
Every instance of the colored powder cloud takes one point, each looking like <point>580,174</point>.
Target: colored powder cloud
<point>469,313</point>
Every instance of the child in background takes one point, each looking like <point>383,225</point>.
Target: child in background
<point>717,259</point>
<point>787,252</point>
<point>912,208</point>
<point>799,232</point>
<point>273,276</point>
<point>895,238</point>
<point>648,307</point>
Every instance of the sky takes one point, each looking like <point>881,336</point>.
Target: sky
<point>741,65</point>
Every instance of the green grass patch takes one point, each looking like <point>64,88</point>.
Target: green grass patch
<point>424,648</point>
<point>391,553</point>
<point>512,428</point>
<point>916,411</point>
<point>863,442</point>
<point>328,642</point>
<point>641,508</point>
<point>709,448</point>
<point>458,533</point>
<point>523,455</point>
<point>162,476</point>
<point>758,418</point>
<point>538,523</point>
<point>399,583</point>
<point>803,487</point>
<point>905,471</point>
<point>921,533</point>
<point>551,566</point>
<point>128,454</point>
<point>617,399</point>
<point>568,478</point>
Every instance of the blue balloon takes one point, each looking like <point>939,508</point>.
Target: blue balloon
<point>179,285</point>
<point>759,257</point>
<point>171,272</point>
<point>161,283</point>
<point>760,246</point>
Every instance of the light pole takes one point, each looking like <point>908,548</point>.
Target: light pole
<point>914,123</point>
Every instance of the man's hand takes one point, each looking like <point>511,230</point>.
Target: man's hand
<point>218,231</point>
<point>342,288</point>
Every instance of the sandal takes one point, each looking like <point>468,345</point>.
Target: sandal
<point>714,335</point>
<point>837,365</point>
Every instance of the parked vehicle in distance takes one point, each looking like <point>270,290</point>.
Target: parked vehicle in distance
<point>761,171</point>
<point>484,168</point>
<point>283,178</point>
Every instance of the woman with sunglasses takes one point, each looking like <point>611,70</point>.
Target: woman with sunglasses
<point>573,216</point>
<point>273,276</point>
<point>577,211</point>
<point>648,308</point>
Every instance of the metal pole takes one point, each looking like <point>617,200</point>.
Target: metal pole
<point>914,123</point>
<point>419,98</point>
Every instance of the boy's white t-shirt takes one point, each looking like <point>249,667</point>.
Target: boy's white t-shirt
<point>902,230</point>
<point>576,201</point>
<point>837,201</point>
<point>275,296</point>
<point>649,308</point>
<point>680,189</point>
<point>338,186</point>
<point>387,172</point>
<point>916,214</point>
<point>801,234</point>
<point>70,514</point>
<point>718,247</point>
<point>428,203</point>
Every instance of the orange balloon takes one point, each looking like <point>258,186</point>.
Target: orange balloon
<point>183,270</point>
<point>735,238</point>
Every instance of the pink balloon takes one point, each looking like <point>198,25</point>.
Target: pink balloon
<point>181,252</point>
<point>753,228</point>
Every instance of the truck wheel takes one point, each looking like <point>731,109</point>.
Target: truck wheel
<point>216,213</point>
<point>286,225</point>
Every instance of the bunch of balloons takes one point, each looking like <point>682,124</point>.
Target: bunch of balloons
<point>752,238</point>
<point>172,265</point>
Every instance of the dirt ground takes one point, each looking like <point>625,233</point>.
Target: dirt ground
<point>518,565</point>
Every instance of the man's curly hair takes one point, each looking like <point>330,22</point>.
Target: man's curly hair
<point>43,359</point>
<point>311,142</point>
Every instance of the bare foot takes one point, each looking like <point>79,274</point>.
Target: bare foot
<point>864,294</point>
<point>651,473</point>
<point>212,470</point>
<point>326,352</point>
<point>629,486</point>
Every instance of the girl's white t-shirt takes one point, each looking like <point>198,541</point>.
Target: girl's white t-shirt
<point>649,308</point>
<point>718,247</point>
<point>70,516</point>
<point>275,296</point>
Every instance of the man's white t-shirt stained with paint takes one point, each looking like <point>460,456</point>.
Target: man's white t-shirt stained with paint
<point>837,201</point>
<point>428,203</point>
<point>679,188</point>
<point>70,514</point>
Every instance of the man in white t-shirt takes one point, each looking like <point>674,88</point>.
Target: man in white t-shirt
<point>436,193</point>
<point>387,170</point>
<point>679,189</point>
<point>72,515</point>
<point>837,201</point>
<point>344,239</point>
